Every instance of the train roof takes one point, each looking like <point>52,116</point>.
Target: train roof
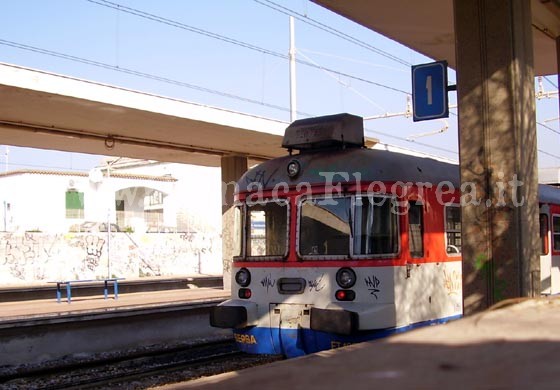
<point>549,194</point>
<point>317,167</point>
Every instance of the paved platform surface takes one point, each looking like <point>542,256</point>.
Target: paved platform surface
<point>513,347</point>
<point>45,308</point>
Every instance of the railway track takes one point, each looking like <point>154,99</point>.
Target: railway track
<point>140,371</point>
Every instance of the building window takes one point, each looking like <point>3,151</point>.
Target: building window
<point>416,229</point>
<point>155,198</point>
<point>74,205</point>
<point>453,229</point>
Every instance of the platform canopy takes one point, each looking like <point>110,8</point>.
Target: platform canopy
<point>426,26</point>
<point>49,111</point>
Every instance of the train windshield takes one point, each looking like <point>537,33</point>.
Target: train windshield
<point>376,226</point>
<point>325,227</point>
<point>266,230</point>
<point>345,227</point>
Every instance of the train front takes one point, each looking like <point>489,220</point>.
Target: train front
<point>315,257</point>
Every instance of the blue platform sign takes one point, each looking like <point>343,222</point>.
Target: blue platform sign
<point>429,91</point>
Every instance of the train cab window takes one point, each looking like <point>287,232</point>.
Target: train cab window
<point>416,229</point>
<point>267,230</point>
<point>543,229</point>
<point>453,229</point>
<point>324,227</point>
<point>376,226</point>
<point>556,232</point>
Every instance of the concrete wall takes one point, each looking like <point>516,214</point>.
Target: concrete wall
<point>41,257</point>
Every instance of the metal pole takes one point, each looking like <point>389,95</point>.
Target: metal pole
<point>292,55</point>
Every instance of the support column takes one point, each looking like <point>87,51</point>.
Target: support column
<point>233,167</point>
<point>498,151</point>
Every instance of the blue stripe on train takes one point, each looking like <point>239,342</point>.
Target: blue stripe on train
<point>298,342</point>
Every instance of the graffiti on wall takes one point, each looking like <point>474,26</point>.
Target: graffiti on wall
<point>34,257</point>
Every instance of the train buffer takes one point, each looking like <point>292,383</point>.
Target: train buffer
<point>70,283</point>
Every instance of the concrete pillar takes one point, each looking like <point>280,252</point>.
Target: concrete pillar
<point>498,152</point>
<point>233,167</point>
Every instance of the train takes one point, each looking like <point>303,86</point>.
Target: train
<point>337,243</point>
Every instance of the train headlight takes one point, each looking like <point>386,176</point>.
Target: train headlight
<point>345,277</point>
<point>243,277</point>
<point>293,168</point>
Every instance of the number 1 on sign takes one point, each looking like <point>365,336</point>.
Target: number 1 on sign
<point>429,89</point>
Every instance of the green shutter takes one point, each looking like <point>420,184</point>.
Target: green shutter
<point>74,204</point>
<point>74,200</point>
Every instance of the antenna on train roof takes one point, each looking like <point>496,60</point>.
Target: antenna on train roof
<point>340,130</point>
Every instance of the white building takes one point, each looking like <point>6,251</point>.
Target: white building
<point>55,202</point>
<point>53,225</point>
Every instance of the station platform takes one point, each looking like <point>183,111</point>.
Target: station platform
<point>513,346</point>
<point>42,290</point>
<point>11,312</point>
<point>35,332</point>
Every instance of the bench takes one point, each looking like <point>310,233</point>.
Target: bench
<point>69,283</point>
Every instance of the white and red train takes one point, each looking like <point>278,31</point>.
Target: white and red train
<point>339,244</point>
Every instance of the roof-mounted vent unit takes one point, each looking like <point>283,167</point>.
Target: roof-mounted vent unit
<point>340,130</point>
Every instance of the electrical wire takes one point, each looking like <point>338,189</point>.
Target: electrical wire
<point>549,154</point>
<point>331,30</point>
<point>141,74</point>
<point>548,127</point>
<point>183,26</point>
<point>415,142</point>
<point>374,65</point>
<point>551,83</point>
<point>179,83</point>
<point>173,23</point>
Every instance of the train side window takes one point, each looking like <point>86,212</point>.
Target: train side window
<point>556,232</point>
<point>324,227</point>
<point>543,229</point>
<point>376,229</point>
<point>267,230</point>
<point>453,229</point>
<point>416,229</point>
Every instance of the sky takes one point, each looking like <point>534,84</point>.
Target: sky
<point>232,54</point>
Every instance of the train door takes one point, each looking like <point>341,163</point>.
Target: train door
<point>545,249</point>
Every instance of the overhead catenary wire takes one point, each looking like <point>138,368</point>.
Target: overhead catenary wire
<point>548,127</point>
<point>551,82</point>
<point>415,142</point>
<point>179,83</point>
<point>163,79</point>
<point>183,26</point>
<point>203,89</point>
<point>349,87</point>
<point>549,154</point>
<point>339,57</point>
<point>141,74</point>
<point>287,11</point>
